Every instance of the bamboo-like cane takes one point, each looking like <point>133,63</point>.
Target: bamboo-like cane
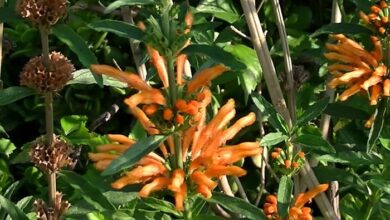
<point>260,45</point>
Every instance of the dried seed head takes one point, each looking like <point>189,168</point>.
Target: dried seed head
<point>44,212</point>
<point>54,78</point>
<point>52,159</point>
<point>42,12</point>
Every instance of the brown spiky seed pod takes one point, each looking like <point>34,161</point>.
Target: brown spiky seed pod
<point>54,78</point>
<point>45,213</point>
<point>42,12</point>
<point>52,159</point>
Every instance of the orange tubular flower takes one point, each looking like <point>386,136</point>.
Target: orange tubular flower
<point>297,210</point>
<point>203,145</point>
<point>357,69</point>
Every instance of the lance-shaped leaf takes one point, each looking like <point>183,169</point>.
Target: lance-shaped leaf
<point>13,211</point>
<point>237,205</point>
<point>267,110</point>
<point>284,195</point>
<point>134,154</point>
<point>78,46</point>
<point>377,127</point>
<point>13,94</point>
<point>119,28</point>
<point>217,54</point>
<point>312,112</point>
<point>342,28</point>
<point>119,3</point>
<point>90,192</point>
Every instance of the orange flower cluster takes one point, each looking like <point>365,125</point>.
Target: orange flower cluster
<point>205,156</point>
<point>358,69</point>
<point>203,151</point>
<point>280,157</point>
<point>378,18</point>
<point>297,211</point>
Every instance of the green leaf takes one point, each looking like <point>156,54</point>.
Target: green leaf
<point>377,126</point>
<point>6,147</point>
<point>215,53</point>
<point>222,9</point>
<point>343,111</point>
<point>120,198</point>
<point>13,94</point>
<point>13,211</point>
<point>271,139</point>
<point>8,14</point>
<point>351,207</point>
<point>237,205</point>
<point>119,28</point>
<point>267,110</point>
<point>207,216</point>
<point>119,3</point>
<point>25,202</point>
<point>134,154</point>
<point>65,34</point>
<point>72,123</point>
<point>161,205</point>
<point>88,190</point>
<point>342,28</point>
<point>85,76</point>
<point>3,131</point>
<point>314,143</point>
<point>251,76</point>
<point>312,112</point>
<point>350,157</point>
<point>284,195</point>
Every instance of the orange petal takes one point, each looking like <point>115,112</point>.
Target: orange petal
<point>350,92</point>
<point>373,80</point>
<point>102,164</point>
<point>386,87</point>
<point>120,139</point>
<point>102,156</point>
<point>218,170</point>
<point>180,197</point>
<point>177,180</point>
<point>112,147</point>
<point>204,191</point>
<point>205,76</point>
<point>375,93</point>
<point>157,184</point>
<point>180,63</point>
<point>159,63</point>
<point>199,178</point>
<point>354,74</point>
<point>133,80</point>
<point>303,198</point>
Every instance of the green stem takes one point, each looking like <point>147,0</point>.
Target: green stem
<point>44,31</point>
<point>187,211</point>
<point>172,83</point>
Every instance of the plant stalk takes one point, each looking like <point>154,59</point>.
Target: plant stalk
<point>141,68</point>
<point>52,179</point>
<point>260,45</point>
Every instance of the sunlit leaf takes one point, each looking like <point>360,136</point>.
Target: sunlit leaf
<point>377,126</point>
<point>134,154</point>
<point>284,195</point>
<point>271,139</point>
<point>222,9</point>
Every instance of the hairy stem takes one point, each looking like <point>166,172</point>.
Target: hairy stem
<point>44,31</point>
